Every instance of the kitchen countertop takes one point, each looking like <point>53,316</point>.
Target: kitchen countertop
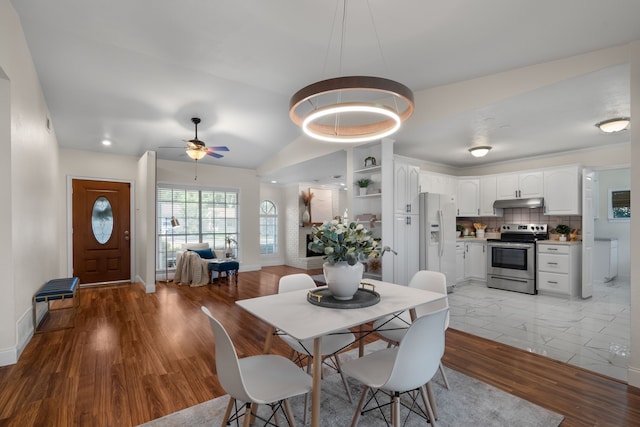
<point>471,239</point>
<point>558,242</point>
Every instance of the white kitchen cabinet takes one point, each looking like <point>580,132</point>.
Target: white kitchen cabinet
<point>468,200</point>
<point>563,191</point>
<point>459,262</point>
<point>559,268</point>
<point>520,185</point>
<point>488,195</point>
<point>406,188</point>
<point>432,182</point>
<point>406,242</point>
<point>475,261</point>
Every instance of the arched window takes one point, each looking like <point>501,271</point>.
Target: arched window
<point>268,227</point>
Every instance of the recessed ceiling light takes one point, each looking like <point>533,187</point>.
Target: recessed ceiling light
<point>613,125</point>
<point>106,142</point>
<point>274,182</point>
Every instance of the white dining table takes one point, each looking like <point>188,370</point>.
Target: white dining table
<point>291,313</point>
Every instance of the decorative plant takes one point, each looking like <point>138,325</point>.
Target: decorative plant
<point>459,228</point>
<point>363,182</point>
<point>343,242</point>
<point>563,229</point>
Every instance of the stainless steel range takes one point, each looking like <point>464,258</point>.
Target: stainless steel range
<point>512,258</point>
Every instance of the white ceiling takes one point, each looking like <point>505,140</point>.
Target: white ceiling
<point>135,72</point>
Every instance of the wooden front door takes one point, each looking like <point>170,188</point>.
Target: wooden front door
<point>101,231</point>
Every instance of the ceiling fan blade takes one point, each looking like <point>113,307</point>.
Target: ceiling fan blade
<point>216,155</point>
<point>219,148</point>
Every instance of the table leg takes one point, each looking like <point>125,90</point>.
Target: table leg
<point>315,393</point>
<point>268,340</point>
<point>361,341</point>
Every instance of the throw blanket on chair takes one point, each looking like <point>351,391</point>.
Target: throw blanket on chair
<point>191,270</point>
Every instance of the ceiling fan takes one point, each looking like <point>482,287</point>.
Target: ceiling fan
<point>196,149</point>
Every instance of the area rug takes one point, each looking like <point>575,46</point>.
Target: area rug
<point>469,402</point>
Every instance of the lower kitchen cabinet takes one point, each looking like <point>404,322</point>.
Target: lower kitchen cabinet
<point>459,262</point>
<point>475,261</point>
<point>559,268</point>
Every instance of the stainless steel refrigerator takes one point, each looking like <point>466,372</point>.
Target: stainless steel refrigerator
<point>438,235</point>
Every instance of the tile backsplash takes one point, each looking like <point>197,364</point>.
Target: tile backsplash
<point>521,216</point>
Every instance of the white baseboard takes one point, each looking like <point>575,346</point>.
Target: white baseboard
<point>149,288</point>
<point>634,377</point>
<point>24,333</point>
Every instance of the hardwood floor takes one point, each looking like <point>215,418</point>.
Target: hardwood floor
<point>133,357</point>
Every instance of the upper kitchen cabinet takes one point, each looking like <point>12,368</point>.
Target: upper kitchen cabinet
<point>488,194</point>
<point>407,188</point>
<point>432,182</point>
<point>468,198</point>
<point>520,185</point>
<point>563,191</point>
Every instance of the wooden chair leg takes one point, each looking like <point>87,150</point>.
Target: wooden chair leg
<point>225,419</point>
<point>432,400</point>
<point>356,416</point>
<point>247,415</point>
<point>444,377</point>
<point>344,380</point>
<point>427,405</point>
<point>287,410</point>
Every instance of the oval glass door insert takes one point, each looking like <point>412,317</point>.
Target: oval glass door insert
<point>102,220</point>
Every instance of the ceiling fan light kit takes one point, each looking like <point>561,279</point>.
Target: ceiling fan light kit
<point>614,125</point>
<point>350,109</point>
<point>479,150</point>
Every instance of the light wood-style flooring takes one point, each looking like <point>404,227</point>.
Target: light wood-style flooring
<point>133,357</point>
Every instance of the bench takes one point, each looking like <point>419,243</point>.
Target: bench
<point>56,289</point>
<point>226,267</point>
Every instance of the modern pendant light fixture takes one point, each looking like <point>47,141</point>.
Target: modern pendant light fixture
<point>479,150</point>
<point>351,109</point>
<point>614,125</point>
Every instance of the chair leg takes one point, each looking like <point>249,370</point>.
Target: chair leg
<point>427,405</point>
<point>432,400</point>
<point>228,411</point>
<point>247,415</point>
<point>444,377</point>
<point>356,416</point>
<point>395,409</point>
<point>344,380</point>
<point>287,410</point>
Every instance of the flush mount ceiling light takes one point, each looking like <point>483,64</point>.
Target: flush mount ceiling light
<point>479,150</point>
<point>613,125</point>
<point>351,109</point>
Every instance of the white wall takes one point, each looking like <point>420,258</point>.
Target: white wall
<point>609,179</point>
<point>243,180</point>
<point>144,231</point>
<point>30,198</point>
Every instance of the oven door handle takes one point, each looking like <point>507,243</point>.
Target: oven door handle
<point>511,245</point>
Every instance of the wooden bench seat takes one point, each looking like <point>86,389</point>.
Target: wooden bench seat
<point>56,289</point>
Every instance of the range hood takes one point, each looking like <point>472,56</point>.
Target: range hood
<point>534,202</point>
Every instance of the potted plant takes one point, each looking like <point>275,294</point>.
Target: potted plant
<point>363,183</point>
<point>563,230</point>
<point>459,230</point>
<point>343,246</point>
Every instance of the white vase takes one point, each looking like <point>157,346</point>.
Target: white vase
<point>306,216</point>
<point>363,191</point>
<point>343,279</point>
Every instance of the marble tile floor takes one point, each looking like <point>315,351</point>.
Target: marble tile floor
<point>593,333</point>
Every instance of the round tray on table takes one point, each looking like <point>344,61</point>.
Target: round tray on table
<point>362,298</point>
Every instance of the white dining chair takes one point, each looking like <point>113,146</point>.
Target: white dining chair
<point>264,379</point>
<point>330,345</point>
<point>393,328</point>
<point>397,370</point>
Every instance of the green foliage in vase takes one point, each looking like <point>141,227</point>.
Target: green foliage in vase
<point>343,242</point>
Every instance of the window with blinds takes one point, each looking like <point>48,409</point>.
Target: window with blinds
<point>619,204</point>
<point>204,215</point>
